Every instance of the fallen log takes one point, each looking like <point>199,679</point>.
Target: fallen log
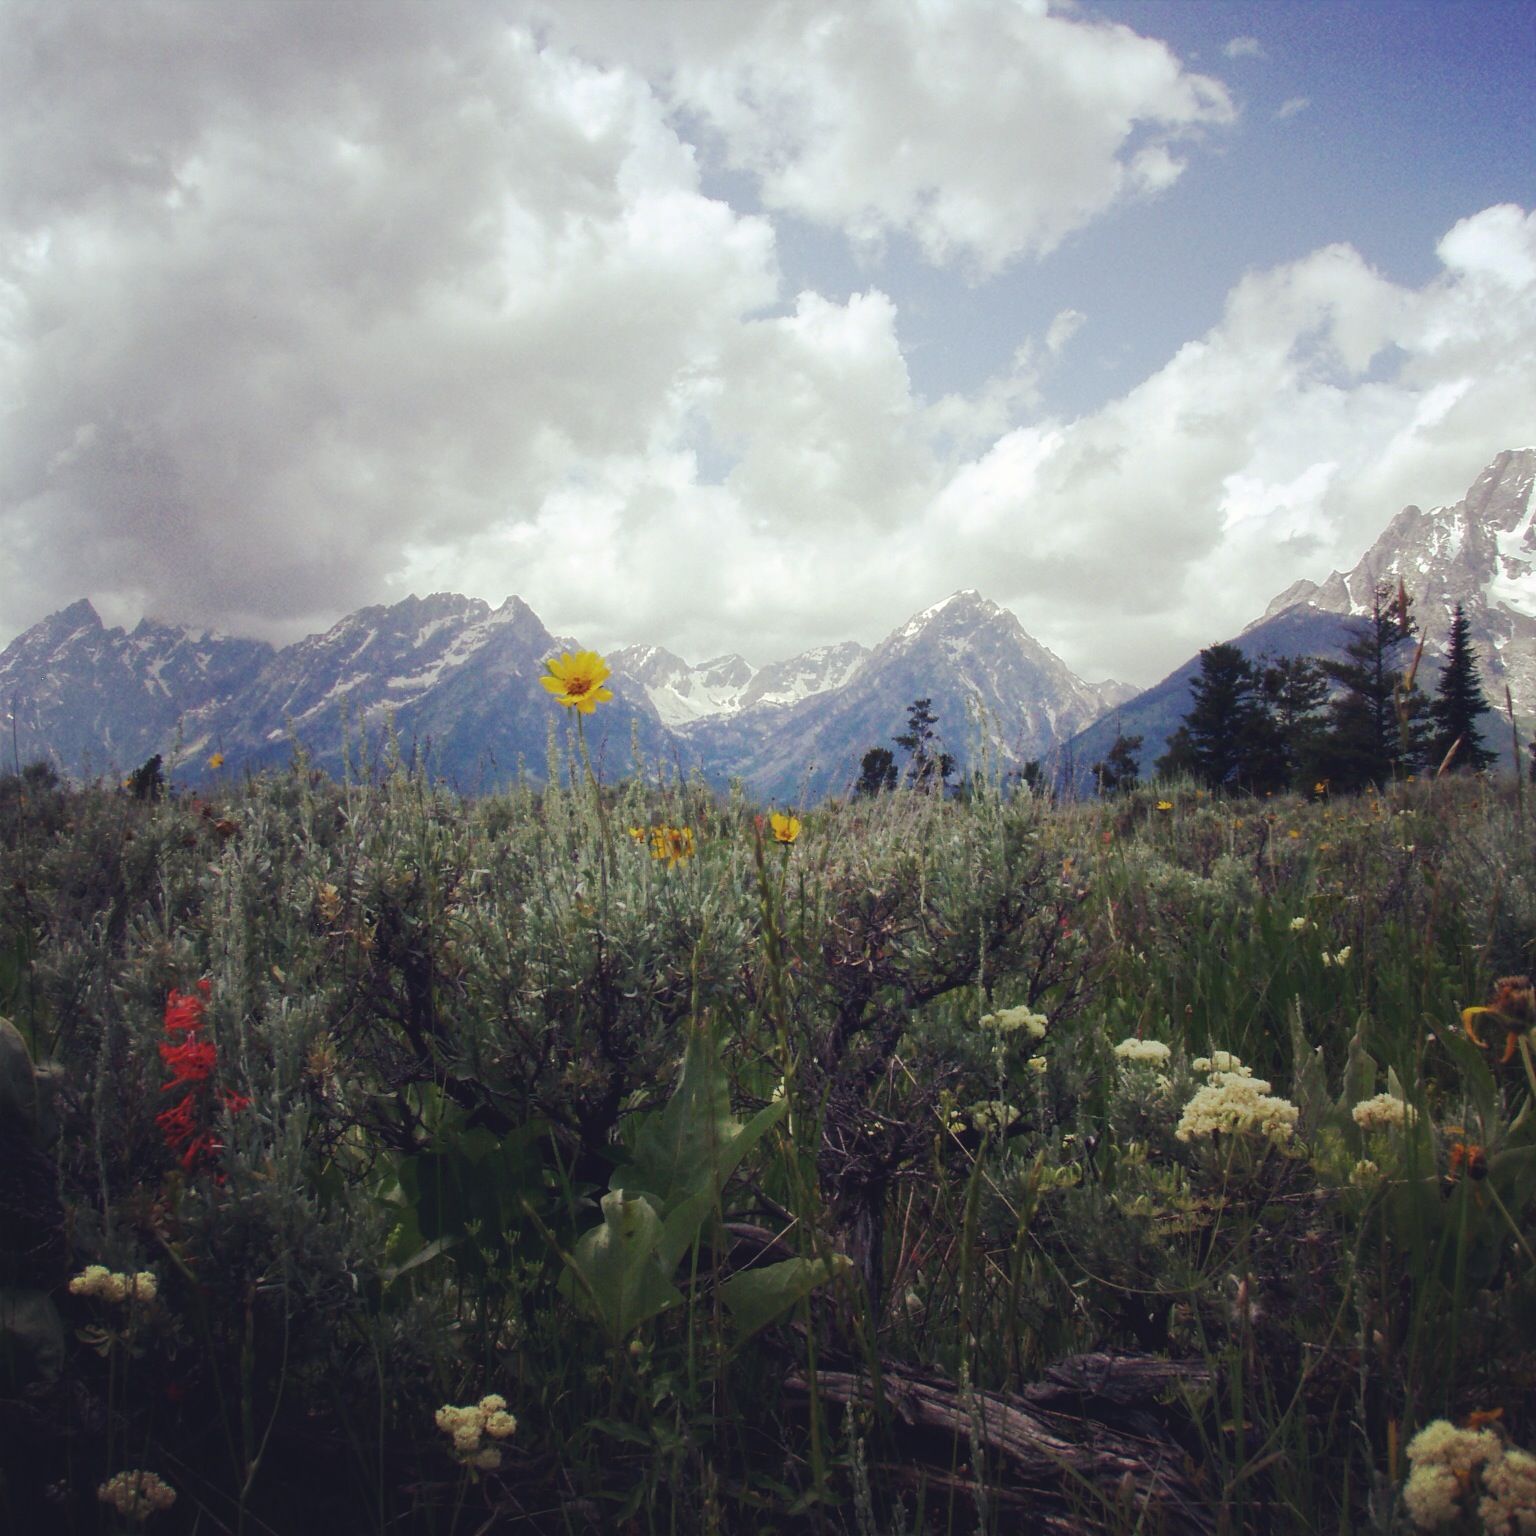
<point>1089,1440</point>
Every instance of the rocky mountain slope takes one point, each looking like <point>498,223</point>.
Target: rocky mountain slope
<point>1480,553</point>
<point>988,680</point>
<point>93,699</point>
<point>458,681</point>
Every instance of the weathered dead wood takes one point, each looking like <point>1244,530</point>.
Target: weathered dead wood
<point>1091,1438</point>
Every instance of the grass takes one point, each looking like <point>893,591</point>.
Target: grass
<point>709,1169</point>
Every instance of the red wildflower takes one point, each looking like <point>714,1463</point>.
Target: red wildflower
<point>191,1061</point>
<point>184,1010</point>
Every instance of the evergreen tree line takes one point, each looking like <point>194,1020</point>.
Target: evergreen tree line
<point>1268,725</point>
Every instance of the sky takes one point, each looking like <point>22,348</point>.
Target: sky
<point>752,327</point>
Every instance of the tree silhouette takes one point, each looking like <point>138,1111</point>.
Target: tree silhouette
<point>1375,722</point>
<point>930,766</point>
<point>1120,768</point>
<point>1229,736</point>
<point>1457,703</point>
<point>877,772</point>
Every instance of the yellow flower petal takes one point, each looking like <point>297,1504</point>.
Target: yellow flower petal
<point>575,680</point>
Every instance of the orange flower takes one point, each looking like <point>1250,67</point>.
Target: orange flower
<point>1512,1008</point>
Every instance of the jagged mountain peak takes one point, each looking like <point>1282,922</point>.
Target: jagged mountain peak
<point>1479,553</point>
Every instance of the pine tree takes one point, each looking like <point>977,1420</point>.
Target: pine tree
<point>877,772</point>
<point>1296,691</point>
<point>1120,768</point>
<point>931,766</point>
<point>1375,722</point>
<point>1228,734</point>
<point>1457,703</point>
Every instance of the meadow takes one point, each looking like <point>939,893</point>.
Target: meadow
<point>634,1158</point>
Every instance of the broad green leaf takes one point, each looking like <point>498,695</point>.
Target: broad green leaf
<point>756,1296</point>
<point>1309,1080</point>
<point>32,1342</point>
<point>618,1262</point>
<point>693,1144</point>
<point>1359,1071</point>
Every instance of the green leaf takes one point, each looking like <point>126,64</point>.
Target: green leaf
<point>755,1297</point>
<point>1309,1080</point>
<point>693,1145</point>
<point>618,1261</point>
<point>32,1339</point>
<point>1359,1071</point>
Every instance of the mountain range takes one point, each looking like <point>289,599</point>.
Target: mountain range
<point>457,682</point>
<point>1479,552</point>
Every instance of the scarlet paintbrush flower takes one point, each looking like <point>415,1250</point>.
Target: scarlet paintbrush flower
<point>192,1059</point>
<point>184,1010</point>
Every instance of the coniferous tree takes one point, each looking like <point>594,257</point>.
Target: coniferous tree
<point>1120,768</point>
<point>931,766</point>
<point>1227,732</point>
<point>1178,761</point>
<point>877,772</point>
<point>1295,691</point>
<point>1375,723</point>
<point>1457,703</point>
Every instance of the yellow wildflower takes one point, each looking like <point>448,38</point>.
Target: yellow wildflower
<point>1165,805</point>
<point>785,828</point>
<point>674,844</point>
<point>575,679</point>
<point>216,761</point>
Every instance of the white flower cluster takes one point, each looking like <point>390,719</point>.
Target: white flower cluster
<point>1340,957</point>
<point>1152,1053</point>
<point>1444,1459</point>
<point>1365,1174</point>
<point>136,1495</point>
<point>468,1427</point>
<point>1386,1112</point>
<point>1300,924</point>
<point>1006,1020</point>
<point>1221,1061</point>
<point>1233,1103</point>
<point>106,1284</point>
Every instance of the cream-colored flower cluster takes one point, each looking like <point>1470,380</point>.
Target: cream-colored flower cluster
<point>1151,1053</point>
<point>1339,957</point>
<point>107,1285</point>
<point>136,1495</point>
<point>469,1427</point>
<point>1365,1174</point>
<point>1006,1020</point>
<point>1445,1461</point>
<point>1221,1061</point>
<point>1386,1112</point>
<point>992,1115</point>
<point>1300,924</point>
<point>1233,1103</point>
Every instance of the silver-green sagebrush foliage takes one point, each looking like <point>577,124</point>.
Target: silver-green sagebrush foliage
<point>547,1161</point>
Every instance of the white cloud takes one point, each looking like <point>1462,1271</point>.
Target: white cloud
<point>982,131</point>
<point>297,315</point>
<point>1291,106</point>
<point>253,358</point>
<point>1063,328</point>
<point>1276,446</point>
<point>1243,48</point>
